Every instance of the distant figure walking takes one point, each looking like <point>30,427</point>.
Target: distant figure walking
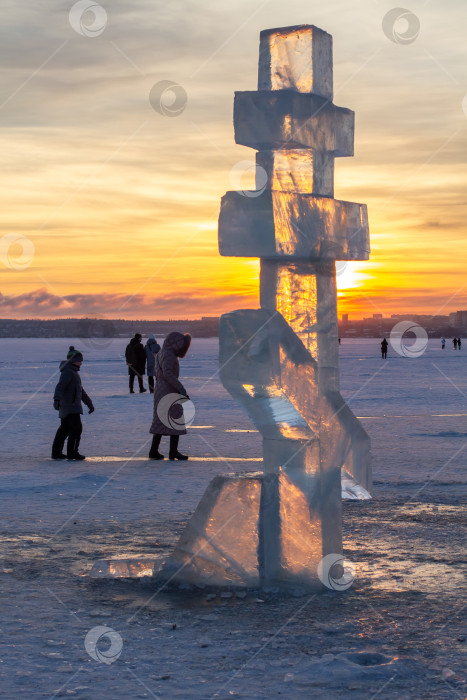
<point>443,343</point>
<point>384,348</point>
<point>69,394</point>
<point>152,347</point>
<point>168,420</point>
<point>459,343</point>
<point>135,356</point>
<point>454,342</point>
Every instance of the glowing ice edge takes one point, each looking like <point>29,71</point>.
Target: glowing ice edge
<point>139,567</point>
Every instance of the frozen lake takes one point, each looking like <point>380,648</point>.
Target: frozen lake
<point>58,517</point>
<point>414,409</point>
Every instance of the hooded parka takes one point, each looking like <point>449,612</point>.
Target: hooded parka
<point>152,347</point>
<point>169,419</point>
<point>69,391</point>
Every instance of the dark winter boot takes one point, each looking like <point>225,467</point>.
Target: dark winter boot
<point>72,449</point>
<point>60,456</point>
<point>174,453</point>
<point>154,451</point>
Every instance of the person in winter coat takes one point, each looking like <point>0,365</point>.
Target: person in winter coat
<point>168,413</point>
<point>443,343</point>
<point>135,356</point>
<point>384,348</point>
<point>152,347</point>
<point>69,394</point>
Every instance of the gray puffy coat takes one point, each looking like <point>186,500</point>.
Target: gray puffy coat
<point>170,420</point>
<point>69,391</point>
<point>152,347</point>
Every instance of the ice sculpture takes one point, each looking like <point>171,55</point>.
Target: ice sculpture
<point>281,361</point>
<point>250,529</point>
<point>298,230</point>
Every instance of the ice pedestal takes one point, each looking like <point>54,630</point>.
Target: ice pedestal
<point>252,529</point>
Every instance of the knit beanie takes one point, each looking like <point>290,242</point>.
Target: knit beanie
<point>74,355</point>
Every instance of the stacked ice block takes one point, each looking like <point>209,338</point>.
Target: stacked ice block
<point>298,230</point>
<point>281,361</point>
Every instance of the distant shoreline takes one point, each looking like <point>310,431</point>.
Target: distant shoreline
<point>208,327</point>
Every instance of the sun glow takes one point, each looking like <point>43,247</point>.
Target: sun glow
<point>348,276</point>
<point>120,203</point>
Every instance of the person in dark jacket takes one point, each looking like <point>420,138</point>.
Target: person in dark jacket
<point>168,414</point>
<point>384,348</point>
<point>152,347</point>
<point>135,356</point>
<point>68,397</point>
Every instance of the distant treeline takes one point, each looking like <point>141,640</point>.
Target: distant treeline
<point>104,328</point>
<point>207,327</point>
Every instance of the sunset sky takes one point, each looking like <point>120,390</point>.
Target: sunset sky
<point>120,203</point>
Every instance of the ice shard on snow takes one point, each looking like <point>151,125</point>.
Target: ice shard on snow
<point>280,362</point>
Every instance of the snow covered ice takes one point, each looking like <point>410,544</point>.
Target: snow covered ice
<point>58,519</point>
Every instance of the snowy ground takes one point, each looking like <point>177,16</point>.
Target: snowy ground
<point>396,633</point>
